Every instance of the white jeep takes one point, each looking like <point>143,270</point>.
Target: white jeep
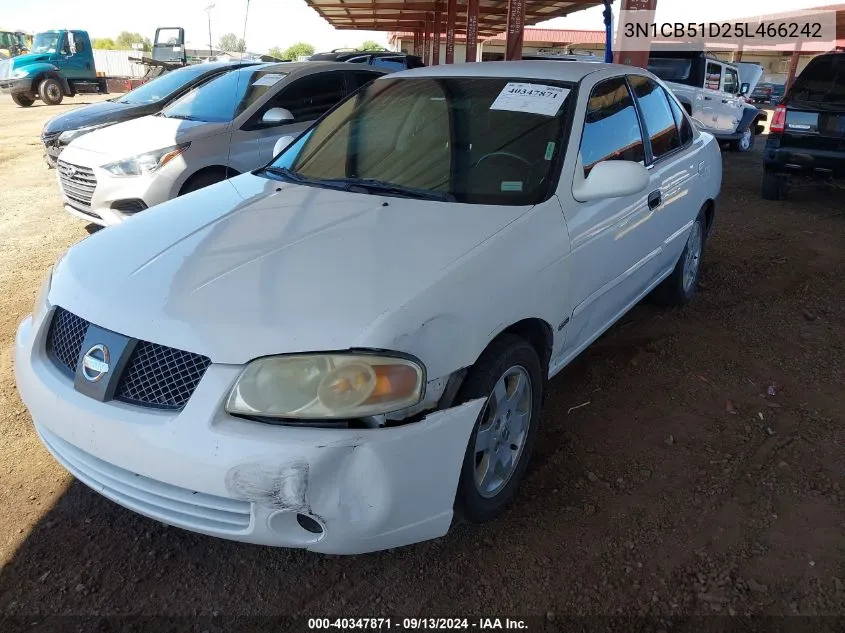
<point>713,92</point>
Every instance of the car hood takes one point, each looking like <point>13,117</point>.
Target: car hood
<point>103,113</point>
<point>252,267</point>
<point>146,134</point>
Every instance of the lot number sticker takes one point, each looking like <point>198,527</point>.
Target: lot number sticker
<point>532,98</point>
<point>268,80</point>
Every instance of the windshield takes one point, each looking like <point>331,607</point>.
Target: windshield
<point>483,140</point>
<point>671,69</point>
<point>162,87</point>
<point>224,98</point>
<point>822,82</point>
<point>45,43</point>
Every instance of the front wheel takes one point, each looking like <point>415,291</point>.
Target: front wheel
<point>50,91</point>
<point>679,287</point>
<point>509,376</point>
<point>22,100</point>
<point>745,143</point>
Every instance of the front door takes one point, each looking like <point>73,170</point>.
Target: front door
<point>732,103</point>
<point>75,58</point>
<point>611,239</point>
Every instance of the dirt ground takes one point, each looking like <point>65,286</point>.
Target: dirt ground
<point>702,475</point>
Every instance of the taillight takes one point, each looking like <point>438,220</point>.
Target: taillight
<point>778,120</point>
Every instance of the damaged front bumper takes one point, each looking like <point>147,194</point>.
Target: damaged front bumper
<point>339,491</point>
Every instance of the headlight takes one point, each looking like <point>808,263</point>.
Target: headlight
<point>41,305</point>
<point>145,163</point>
<point>20,72</point>
<point>68,135</point>
<point>326,386</point>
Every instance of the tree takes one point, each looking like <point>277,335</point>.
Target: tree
<point>106,43</point>
<point>295,51</point>
<point>125,40</point>
<point>231,43</point>
<point>276,52</point>
<point>371,45</point>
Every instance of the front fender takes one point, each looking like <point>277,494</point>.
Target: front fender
<point>750,116</point>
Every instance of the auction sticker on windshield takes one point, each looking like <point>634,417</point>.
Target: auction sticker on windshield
<point>532,98</point>
<point>268,80</point>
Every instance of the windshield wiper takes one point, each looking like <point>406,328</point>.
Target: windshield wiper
<point>371,185</point>
<point>287,174</point>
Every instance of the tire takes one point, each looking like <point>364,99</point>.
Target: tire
<point>508,360</point>
<point>50,91</point>
<point>680,286</point>
<point>202,180</point>
<point>772,187</point>
<point>746,143</point>
<point>22,100</point>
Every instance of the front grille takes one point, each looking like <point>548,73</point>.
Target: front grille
<point>162,501</point>
<point>155,376</point>
<point>161,376</point>
<point>48,138</point>
<point>78,183</point>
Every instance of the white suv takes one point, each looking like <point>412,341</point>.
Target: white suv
<point>225,127</point>
<point>714,93</point>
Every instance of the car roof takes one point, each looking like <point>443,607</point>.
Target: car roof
<point>304,68</point>
<point>207,66</point>
<point>571,72</point>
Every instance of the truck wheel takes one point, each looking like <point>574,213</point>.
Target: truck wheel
<point>773,186</point>
<point>23,101</point>
<point>509,375</point>
<point>745,143</point>
<point>50,91</point>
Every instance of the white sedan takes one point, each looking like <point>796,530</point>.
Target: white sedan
<point>223,128</point>
<point>343,350</point>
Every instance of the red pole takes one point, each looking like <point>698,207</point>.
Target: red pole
<point>516,27</point>
<point>451,18</point>
<point>427,43</point>
<point>438,29</point>
<point>634,58</point>
<point>472,30</point>
<point>417,39</point>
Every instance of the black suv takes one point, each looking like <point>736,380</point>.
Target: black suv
<point>807,135</point>
<point>380,59</point>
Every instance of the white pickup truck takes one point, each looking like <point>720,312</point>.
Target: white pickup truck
<point>713,92</point>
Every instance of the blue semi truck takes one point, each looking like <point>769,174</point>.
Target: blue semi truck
<point>61,64</point>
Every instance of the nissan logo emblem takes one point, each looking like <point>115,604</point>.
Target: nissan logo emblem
<point>95,363</point>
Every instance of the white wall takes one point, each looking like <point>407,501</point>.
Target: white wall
<point>117,64</point>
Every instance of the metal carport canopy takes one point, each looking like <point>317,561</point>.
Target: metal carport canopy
<point>429,19</point>
<point>411,15</point>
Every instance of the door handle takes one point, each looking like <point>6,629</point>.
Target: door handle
<point>724,100</point>
<point>654,199</point>
<point>708,98</point>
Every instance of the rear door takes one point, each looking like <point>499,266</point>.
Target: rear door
<point>709,106</point>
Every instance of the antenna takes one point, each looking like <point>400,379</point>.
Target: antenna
<point>208,9</point>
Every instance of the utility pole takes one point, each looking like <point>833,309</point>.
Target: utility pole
<point>210,46</point>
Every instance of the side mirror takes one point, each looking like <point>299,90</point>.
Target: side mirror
<point>612,179</point>
<point>276,116</point>
<point>743,89</point>
<point>281,144</point>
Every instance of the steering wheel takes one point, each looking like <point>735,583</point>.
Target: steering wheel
<point>505,155</point>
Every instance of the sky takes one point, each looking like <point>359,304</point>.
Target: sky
<point>283,22</point>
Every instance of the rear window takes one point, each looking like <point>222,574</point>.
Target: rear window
<point>822,82</point>
<point>677,70</point>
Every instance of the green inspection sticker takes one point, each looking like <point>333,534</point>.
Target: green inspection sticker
<point>511,185</point>
<point>550,150</point>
